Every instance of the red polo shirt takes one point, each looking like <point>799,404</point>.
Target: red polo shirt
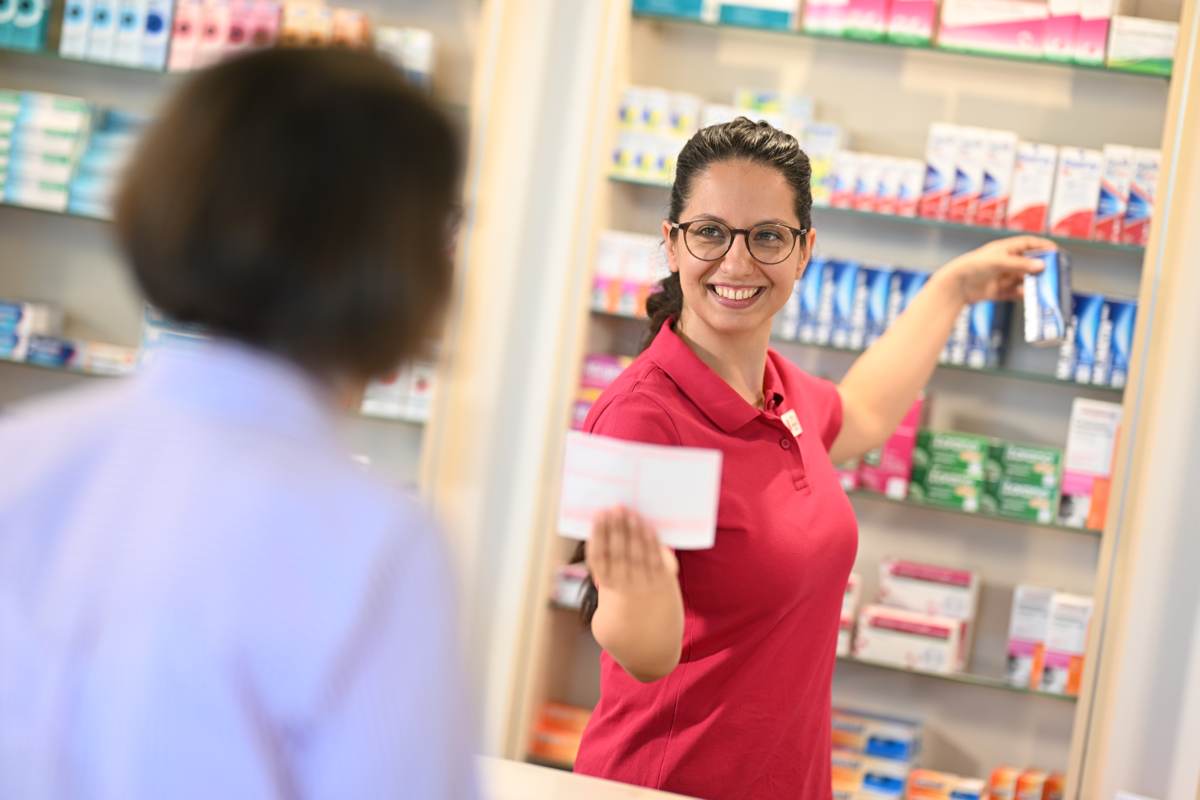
<point>746,713</point>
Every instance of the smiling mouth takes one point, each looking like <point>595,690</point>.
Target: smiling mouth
<point>736,295</point>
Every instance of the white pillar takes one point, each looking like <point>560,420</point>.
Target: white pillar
<point>503,403</point>
<point>1140,730</point>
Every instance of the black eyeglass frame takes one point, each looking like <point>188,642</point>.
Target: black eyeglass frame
<point>799,233</point>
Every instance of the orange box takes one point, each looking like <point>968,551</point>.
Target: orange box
<point>1003,784</point>
<point>1055,787</point>
<point>1031,785</point>
<point>557,732</point>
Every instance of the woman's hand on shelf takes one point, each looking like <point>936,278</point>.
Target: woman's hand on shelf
<point>997,270</point>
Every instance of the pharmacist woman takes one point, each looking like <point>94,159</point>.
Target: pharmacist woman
<point>717,665</point>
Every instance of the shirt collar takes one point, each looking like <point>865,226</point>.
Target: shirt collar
<point>242,384</point>
<point>728,410</point>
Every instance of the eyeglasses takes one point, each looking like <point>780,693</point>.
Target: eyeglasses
<point>709,240</point>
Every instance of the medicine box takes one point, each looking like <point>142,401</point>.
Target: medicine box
<point>1076,192</point>
<point>892,738</point>
<point>1066,644</point>
<point>956,453</point>
<point>1091,440</point>
<point>912,22</point>
<point>1114,343</point>
<point>1047,299</point>
<point>886,469</point>
<point>993,27</point>
<point>1028,626</point>
<point>1142,45</point>
<point>941,160</point>
<point>909,640</point>
<point>768,14</point>
<point>1077,355</point>
<point>1115,178</point>
<point>999,161</point>
<point>1135,229</point>
<point>1032,187</point>
<point>968,175</point>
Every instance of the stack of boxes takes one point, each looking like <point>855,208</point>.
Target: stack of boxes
<point>948,469</point>
<point>107,152</point>
<point>1099,341</point>
<point>654,124</point>
<point>924,618</point>
<point>1087,464</point>
<point>32,333</point>
<point>987,177</point>
<point>1010,783</point>
<point>599,370</point>
<point>872,754</point>
<point>1022,482</point>
<point>23,24</point>
<point>1085,32</point>
<point>405,394</point>
<point>928,784</point>
<point>557,732</point>
<point>628,269</point>
<point>1047,639</point>
<point>848,305</point>
<point>21,321</point>
<point>411,50</point>
<point>132,33</point>
<point>41,138</point>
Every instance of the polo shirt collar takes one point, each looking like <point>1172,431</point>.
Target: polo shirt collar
<point>712,395</point>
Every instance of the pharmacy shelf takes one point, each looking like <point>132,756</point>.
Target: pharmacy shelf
<point>89,373</point>
<point>51,55</point>
<point>416,423</point>
<point>964,678</point>
<point>999,372</point>
<point>545,762</point>
<point>1100,70</point>
<point>52,212</point>
<point>882,498</point>
<point>921,222</point>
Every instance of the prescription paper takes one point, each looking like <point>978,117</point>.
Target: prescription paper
<point>674,488</point>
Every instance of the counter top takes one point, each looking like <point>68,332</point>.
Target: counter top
<point>501,779</point>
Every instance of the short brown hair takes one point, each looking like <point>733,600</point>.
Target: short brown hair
<point>297,200</point>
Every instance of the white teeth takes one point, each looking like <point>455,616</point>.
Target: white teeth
<point>729,293</point>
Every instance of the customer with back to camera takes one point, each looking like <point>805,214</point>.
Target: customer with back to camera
<point>201,595</point>
<point>717,665</point>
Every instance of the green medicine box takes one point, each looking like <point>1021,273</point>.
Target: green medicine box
<point>961,453</point>
<point>1031,465</point>
<point>947,489</point>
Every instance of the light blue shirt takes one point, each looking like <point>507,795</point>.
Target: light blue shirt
<point>201,595</point>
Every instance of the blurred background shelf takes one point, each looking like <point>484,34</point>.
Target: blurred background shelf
<point>673,18</point>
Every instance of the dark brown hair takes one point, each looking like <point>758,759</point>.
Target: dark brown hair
<point>297,200</point>
<point>741,139</point>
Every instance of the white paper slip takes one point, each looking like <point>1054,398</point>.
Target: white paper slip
<point>674,488</point>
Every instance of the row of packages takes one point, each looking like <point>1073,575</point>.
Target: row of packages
<point>188,34</point>
<point>923,619</point>
<point>1086,32</point>
<point>974,473</point>
<point>33,333</point>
